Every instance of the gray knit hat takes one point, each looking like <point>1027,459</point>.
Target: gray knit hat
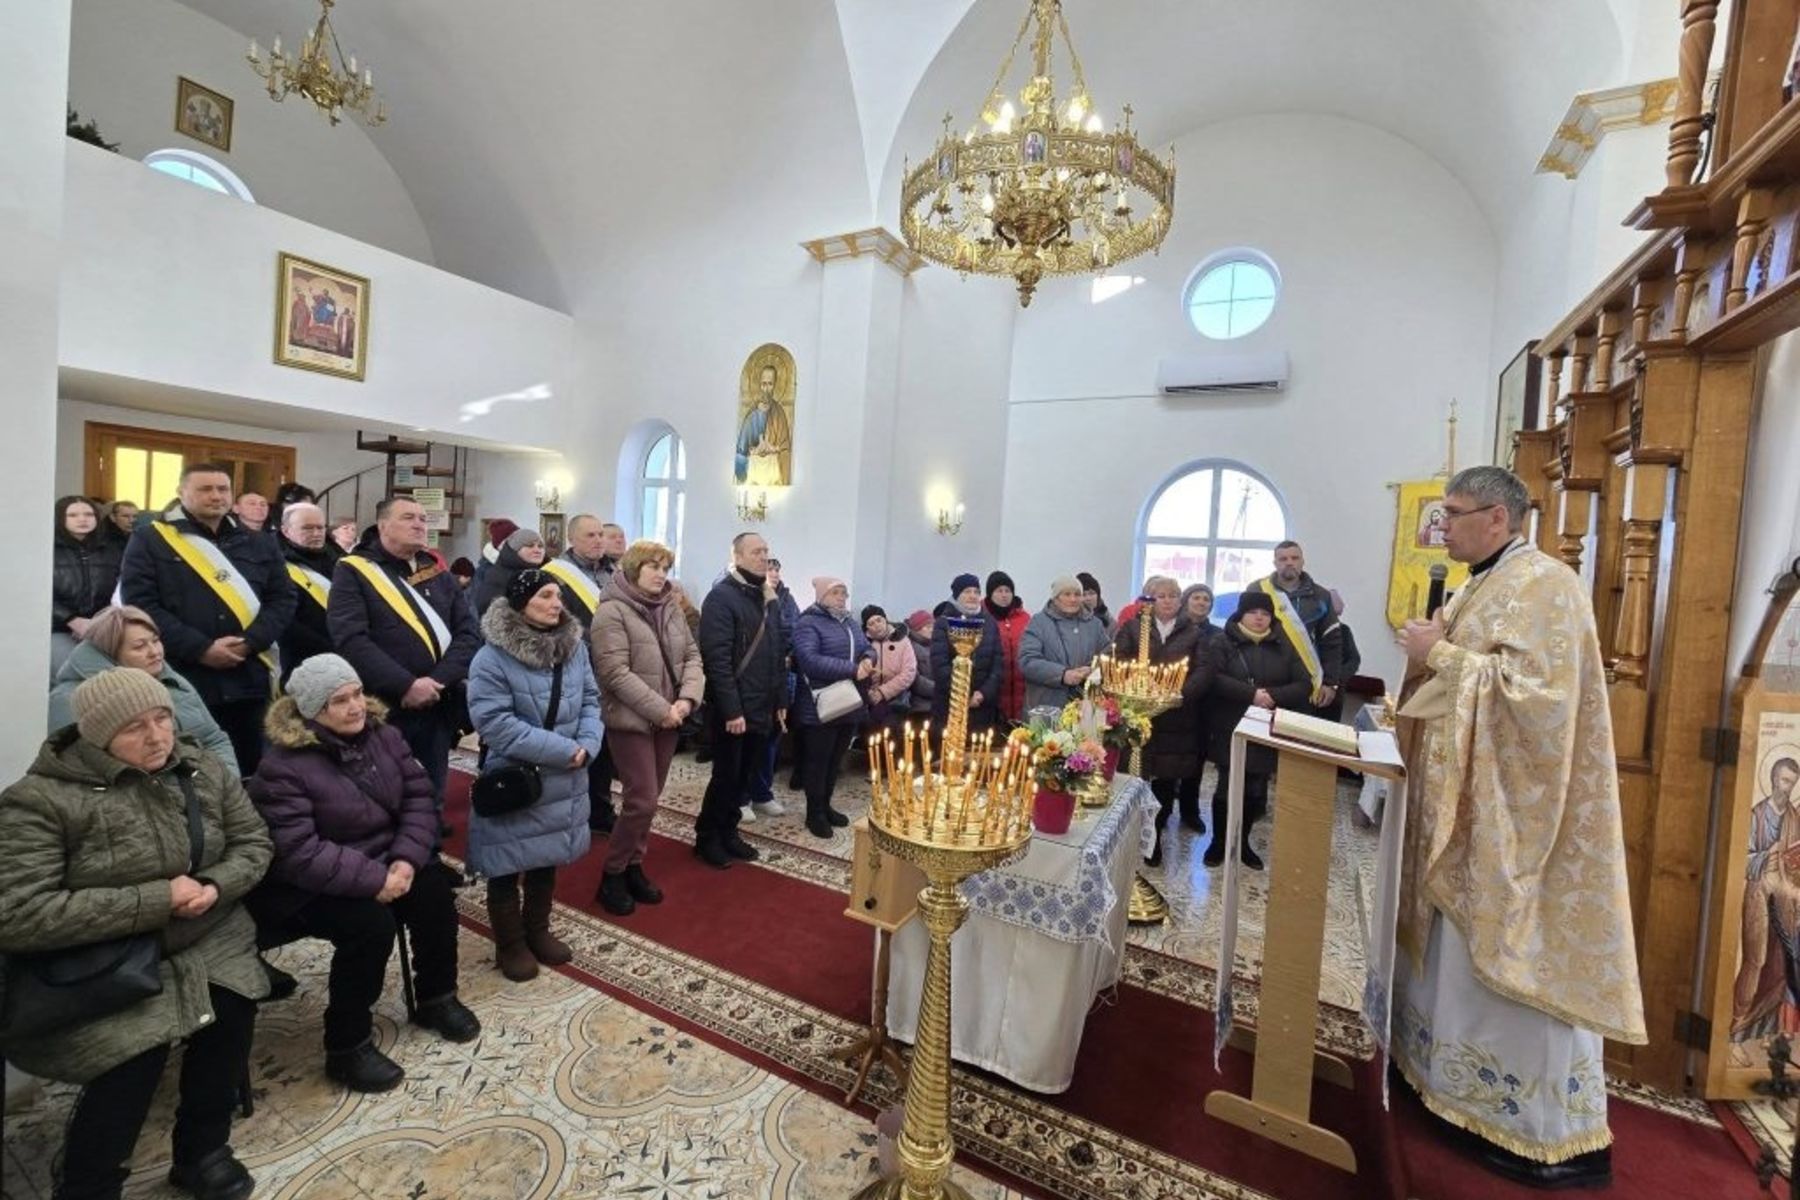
<point>314,680</point>
<point>113,699</point>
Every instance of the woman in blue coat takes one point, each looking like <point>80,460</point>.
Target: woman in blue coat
<point>533,648</point>
<point>829,646</point>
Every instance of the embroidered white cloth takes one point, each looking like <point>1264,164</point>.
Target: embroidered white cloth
<point>1509,1073</point>
<point>1021,989</point>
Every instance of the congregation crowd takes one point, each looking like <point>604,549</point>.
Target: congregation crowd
<point>177,805</point>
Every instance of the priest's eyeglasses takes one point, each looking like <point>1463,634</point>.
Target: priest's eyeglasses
<point>1450,514</point>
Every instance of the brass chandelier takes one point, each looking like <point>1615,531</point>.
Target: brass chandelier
<point>1037,188</point>
<point>334,89</point>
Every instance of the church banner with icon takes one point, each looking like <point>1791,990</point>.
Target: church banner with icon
<point>1418,543</point>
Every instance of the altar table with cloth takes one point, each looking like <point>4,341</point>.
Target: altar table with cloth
<point>1045,935</point>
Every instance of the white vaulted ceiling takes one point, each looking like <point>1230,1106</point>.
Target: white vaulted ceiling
<point>547,144</point>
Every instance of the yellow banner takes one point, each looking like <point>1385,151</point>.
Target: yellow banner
<point>1418,543</point>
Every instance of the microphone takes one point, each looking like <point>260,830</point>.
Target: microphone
<point>1434,595</point>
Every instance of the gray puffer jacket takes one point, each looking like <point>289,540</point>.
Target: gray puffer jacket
<point>509,698</point>
<point>1053,643</point>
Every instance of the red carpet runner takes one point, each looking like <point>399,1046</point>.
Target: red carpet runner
<point>1145,1064</point>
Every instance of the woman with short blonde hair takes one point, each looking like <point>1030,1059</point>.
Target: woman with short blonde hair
<point>648,663</point>
<point>123,635</point>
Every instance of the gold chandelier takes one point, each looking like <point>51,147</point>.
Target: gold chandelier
<point>333,89</point>
<point>1037,188</point>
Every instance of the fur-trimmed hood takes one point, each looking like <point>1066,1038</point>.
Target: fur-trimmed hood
<point>508,631</point>
<point>289,730</point>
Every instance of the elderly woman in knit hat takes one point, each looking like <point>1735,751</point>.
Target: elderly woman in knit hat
<point>896,668</point>
<point>829,648</point>
<point>120,829</point>
<point>989,671</point>
<point>353,817</point>
<point>535,703</point>
<point>125,636</point>
<point>1057,652</point>
<point>1249,664</point>
<point>521,550</point>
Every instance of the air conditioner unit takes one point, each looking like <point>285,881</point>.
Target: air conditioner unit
<point>1199,375</point>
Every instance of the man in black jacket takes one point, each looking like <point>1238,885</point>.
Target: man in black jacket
<point>405,625</point>
<point>744,652</point>
<point>311,558</point>
<point>221,599</point>
<point>1312,605</point>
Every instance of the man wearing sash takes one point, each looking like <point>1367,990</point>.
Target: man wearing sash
<point>310,561</point>
<point>404,624</point>
<point>1516,951</point>
<point>584,570</point>
<point>1307,618</point>
<point>221,598</point>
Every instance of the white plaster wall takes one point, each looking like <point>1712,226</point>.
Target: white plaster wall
<point>950,442</point>
<point>173,284</point>
<point>33,47</point>
<point>1568,235</point>
<point>1386,311</point>
<point>125,56</point>
<point>1770,539</point>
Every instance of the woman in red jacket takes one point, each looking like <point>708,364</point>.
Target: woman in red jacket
<point>1009,613</point>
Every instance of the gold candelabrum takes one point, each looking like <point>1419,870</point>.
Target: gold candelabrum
<point>965,812</point>
<point>1149,689</point>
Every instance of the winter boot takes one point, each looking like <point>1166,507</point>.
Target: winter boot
<point>615,894</point>
<point>510,953</point>
<point>544,945</point>
<point>640,887</point>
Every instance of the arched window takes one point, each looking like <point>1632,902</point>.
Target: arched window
<point>655,460</point>
<point>1214,522</point>
<point>200,170</point>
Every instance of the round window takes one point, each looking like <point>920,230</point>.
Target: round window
<point>1233,295</point>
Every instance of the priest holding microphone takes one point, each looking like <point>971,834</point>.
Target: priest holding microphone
<point>1516,949</point>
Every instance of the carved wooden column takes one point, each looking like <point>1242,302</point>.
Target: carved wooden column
<point>1580,363</point>
<point>1574,516</point>
<point>1646,491</point>
<point>1690,264</point>
<point>1612,324</point>
<point>1535,453</point>
<point>1697,18</point>
<point>1753,218</point>
<point>1553,370</point>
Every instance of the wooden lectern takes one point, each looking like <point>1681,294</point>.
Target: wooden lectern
<point>1304,804</point>
<point>884,892</point>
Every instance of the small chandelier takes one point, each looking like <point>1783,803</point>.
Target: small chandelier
<point>332,89</point>
<point>1037,188</point>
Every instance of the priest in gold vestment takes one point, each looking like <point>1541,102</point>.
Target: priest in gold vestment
<point>1516,951</point>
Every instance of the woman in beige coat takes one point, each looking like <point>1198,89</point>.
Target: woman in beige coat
<point>648,664</point>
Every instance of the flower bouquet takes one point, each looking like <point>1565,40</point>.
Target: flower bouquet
<point>1063,762</point>
<point>1117,727</point>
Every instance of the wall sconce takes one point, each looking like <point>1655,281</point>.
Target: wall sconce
<point>950,520</point>
<point>749,512</point>
<point>548,495</point>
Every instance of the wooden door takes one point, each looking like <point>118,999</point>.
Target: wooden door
<point>144,465</point>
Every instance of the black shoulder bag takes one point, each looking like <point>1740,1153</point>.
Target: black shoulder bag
<point>509,789</point>
<point>58,989</point>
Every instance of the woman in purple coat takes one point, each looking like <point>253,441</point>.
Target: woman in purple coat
<point>354,821</point>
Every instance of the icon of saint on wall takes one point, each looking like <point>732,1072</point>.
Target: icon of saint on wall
<point>764,450</point>
<point>1766,998</point>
